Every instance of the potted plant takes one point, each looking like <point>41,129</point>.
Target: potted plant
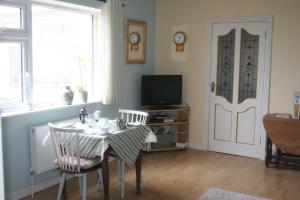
<point>82,63</point>
<point>83,94</point>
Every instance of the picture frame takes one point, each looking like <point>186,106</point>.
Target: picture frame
<point>135,41</point>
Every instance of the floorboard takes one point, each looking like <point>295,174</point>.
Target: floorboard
<point>185,175</point>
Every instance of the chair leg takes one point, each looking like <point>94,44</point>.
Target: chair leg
<point>80,185</point>
<point>122,177</point>
<point>61,185</point>
<point>84,186</point>
<point>99,180</point>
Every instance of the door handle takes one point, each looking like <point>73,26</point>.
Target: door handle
<point>212,87</point>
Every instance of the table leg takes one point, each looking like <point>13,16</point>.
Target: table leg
<point>105,174</point>
<point>268,152</point>
<point>138,169</point>
<point>278,159</point>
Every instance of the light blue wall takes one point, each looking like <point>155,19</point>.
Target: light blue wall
<point>131,74</point>
<point>15,128</point>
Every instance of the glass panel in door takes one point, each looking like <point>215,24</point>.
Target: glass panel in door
<point>225,65</point>
<point>248,65</point>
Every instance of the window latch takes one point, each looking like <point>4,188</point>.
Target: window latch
<point>212,87</point>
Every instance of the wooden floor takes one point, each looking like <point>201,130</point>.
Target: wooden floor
<point>185,175</point>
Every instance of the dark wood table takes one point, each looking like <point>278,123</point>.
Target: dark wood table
<point>285,135</point>
<point>105,173</point>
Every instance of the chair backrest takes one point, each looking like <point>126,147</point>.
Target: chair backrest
<point>133,116</point>
<point>66,147</point>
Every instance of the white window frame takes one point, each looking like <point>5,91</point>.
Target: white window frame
<point>24,36</point>
<point>20,35</point>
<point>24,74</point>
<point>24,18</point>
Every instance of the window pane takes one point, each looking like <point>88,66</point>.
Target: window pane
<point>10,17</point>
<point>11,70</point>
<point>62,52</point>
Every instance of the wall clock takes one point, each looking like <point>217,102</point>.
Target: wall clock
<point>134,40</point>
<point>179,40</point>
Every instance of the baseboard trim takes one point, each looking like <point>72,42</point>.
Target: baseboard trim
<point>37,187</point>
<point>197,147</point>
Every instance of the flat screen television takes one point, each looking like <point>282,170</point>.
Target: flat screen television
<point>161,90</point>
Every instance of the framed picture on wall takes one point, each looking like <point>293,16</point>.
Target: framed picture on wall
<point>135,41</point>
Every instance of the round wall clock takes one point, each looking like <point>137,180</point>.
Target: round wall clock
<point>179,37</point>
<point>179,40</point>
<point>134,40</point>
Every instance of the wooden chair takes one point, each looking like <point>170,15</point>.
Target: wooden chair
<point>67,149</point>
<point>132,117</point>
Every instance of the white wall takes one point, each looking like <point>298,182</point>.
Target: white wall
<point>285,66</point>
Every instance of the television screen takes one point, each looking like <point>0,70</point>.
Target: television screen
<point>161,90</point>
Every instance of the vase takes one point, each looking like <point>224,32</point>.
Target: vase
<point>68,95</point>
<point>84,96</point>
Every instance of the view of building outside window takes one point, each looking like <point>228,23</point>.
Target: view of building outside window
<point>62,53</point>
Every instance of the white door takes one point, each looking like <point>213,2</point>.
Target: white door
<point>238,53</point>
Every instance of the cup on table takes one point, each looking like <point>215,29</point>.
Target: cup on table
<point>97,115</point>
<point>90,119</point>
<point>112,126</point>
<point>103,124</point>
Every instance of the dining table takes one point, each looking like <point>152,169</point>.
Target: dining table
<point>99,140</point>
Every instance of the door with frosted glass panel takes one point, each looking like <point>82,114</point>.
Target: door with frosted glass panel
<point>236,87</point>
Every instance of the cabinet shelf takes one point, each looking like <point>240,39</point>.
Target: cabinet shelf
<point>182,132</point>
<point>181,127</point>
<point>175,109</point>
<point>166,123</point>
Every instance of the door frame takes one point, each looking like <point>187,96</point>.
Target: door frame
<point>266,75</point>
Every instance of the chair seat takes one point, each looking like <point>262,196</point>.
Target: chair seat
<point>84,163</point>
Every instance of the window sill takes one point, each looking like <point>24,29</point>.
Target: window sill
<point>42,109</point>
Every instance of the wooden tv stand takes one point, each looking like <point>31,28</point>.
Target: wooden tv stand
<point>181,127</point>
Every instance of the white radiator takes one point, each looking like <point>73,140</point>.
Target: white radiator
<point>42,156</point>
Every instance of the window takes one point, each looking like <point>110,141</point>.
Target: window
<point>62,52</point>
<point>11,72</point>
<point>42,54</point>
<point>10,17</point>
<point>13,17</point>
<point>13,55</point>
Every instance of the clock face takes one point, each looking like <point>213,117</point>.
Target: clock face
<point>134,38</point>
<point>179,38</point>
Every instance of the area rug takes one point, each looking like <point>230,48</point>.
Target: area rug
<point>220,194</point>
